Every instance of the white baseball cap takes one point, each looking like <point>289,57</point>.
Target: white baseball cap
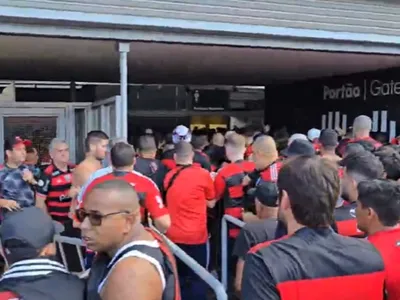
<point>313,134</point>
<point>181,133</point>
<point>297,136</point>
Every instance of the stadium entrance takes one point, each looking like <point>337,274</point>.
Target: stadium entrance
<point>86,65</point>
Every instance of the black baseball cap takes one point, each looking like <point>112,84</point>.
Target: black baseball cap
<point>10,144</point>
<point>266,193</point>
<point>299,147</point>
<point>328,138</point>
<point>26,232</point>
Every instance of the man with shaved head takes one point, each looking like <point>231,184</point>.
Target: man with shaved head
<point>228,182</point>
<point>131,262</point>
<point>189,190</point>
<point>146,162</point>
<point>229,188</point>
<point>361,131</point>
<point>265,157</point>
<point>123,160</point>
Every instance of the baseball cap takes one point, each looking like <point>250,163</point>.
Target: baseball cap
<point>297,136</point>
<point>266,193</point>
<point>181,133</point>
<point>299,147</point>
<point>313,134</point>
<point>24,233</point>
<point>329,137</point>
<point>10,144</point>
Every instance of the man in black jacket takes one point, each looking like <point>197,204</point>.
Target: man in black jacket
<point>28,246</point>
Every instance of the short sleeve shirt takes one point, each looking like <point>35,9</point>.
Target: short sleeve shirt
<point>13,187</point>
<point>252,234</point>
<point>187,204</point>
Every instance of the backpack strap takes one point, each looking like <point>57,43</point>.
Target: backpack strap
<point>170,261</point>
<point>173,178</point>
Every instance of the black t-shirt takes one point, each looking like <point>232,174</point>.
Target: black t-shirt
<point>252,234</point>
<point>216,155</point>
<point>311,263</point>
<point>152,168</point>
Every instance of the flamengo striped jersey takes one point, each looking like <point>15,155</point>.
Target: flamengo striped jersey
<point>54,185</point>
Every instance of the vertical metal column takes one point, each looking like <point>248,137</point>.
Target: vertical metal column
<point>123,49</point>
<point>72,89</point>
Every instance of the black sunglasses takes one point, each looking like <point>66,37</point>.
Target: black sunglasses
<point>95,218</point>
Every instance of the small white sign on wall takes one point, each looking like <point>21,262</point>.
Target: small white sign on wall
<point>330,120</point>
<point>337,119</point>
<point>383,120</point>
<point>344,122</point>
<point>323,122</point>
<point>375,116</point>
<point>392,130</point>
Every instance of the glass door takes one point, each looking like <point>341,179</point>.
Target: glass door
<point>106,115</point>
<point>40,125</point>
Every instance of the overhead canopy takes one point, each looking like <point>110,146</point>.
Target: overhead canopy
<point>57,59</point>
<point>335,25</point>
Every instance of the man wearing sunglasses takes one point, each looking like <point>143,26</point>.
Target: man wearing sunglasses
<point>122,161</point>
<point>130,262</point>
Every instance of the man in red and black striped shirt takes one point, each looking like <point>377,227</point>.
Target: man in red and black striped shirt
<point>55,182</point>
<point>53,195</point>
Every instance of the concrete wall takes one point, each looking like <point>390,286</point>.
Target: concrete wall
<point>361,16</point>
<point>301,105</point>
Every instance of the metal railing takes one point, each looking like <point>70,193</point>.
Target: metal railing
<point>206,276</point>
<point>61,240</point>
<point>224,246</point>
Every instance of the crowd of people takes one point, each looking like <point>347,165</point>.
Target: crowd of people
<point>321,209</point>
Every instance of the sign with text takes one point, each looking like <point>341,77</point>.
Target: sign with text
<point>207,100</point>
<point>366,90</point>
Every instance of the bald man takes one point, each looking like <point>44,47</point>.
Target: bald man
<point>131,262</point>
<point>229,188</point>
<point>362,126</point>
<point>218,139</point>
<point>266,160</point>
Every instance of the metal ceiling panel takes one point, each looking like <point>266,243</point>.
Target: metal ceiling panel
<point>369,17</point>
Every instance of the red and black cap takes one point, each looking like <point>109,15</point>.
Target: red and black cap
<point>17,141</point>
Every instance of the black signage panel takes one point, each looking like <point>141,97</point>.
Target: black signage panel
<point>368,89</point>
<point>300,105</point>
<point>207,100</point>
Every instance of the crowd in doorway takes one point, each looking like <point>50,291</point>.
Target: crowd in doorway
<point>321,212</point>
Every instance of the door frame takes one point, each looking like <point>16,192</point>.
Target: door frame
<point>65,113</point>
<point>59,113</point>
<point>104,121</point>
<point>62,110</point>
